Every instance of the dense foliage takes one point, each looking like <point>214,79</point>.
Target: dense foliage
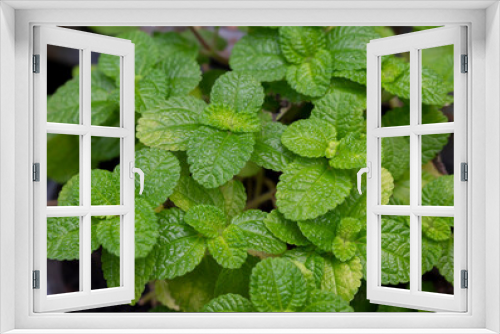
<point>250,201</point>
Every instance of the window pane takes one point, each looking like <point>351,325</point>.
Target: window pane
<point>395,93</point>
<point>63,85</point>
<point>437,254</point>
<point>63,165</point>
<point>395,166</point>
<point>437,170</point>
<point>106,177</point>
<point>105,90</point>
<point>395,250</point>
<point>437,84</point>
<point>106,233</point>
<point>63,253</point>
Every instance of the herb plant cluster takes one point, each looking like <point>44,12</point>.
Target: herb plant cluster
<point>250,201</point>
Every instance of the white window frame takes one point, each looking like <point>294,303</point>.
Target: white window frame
<point>85,44</point>
<point>16,21</point>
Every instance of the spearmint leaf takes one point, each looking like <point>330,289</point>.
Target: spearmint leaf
<point>235,198</point>
<point>195,289</point>
<point>299,43</point>
<point>216,156</point>
<point>325,301</point>
<point>358,76</point>
<point>436,228</point>
<point>431,253</point>
<point>342,278</point>
<point>247,230</point>
<point>225,253</point>
<point>70,193</point>
<point>105,187</point>
<point>268,151</point>
<point>236,280</point>
<point>395,246</point>
<point>172,43</point>
<point>321,231</point>
<point>350,152</point>
<point>146,55</point>
<point>446,260</point>
<point>286,230</point>
<point>63,235</point>
<point>396,155</point>
<point>162,172</point>
<point>311,77</point>
<point>171,126</point>
<point>347,45</point>
<point>189,193</point>
<point>343,111</point>
<point>259,55</point>
<point>344,246</point>
<point>225,118</point>
<point>150,92</point>
<point>181,75</point>
<point>310,137</point>
<point>439,192</point>
<point>277,285</point>
<point>206,219</point>
<point>283,89</point>
<point>102,106</point>
<point>63,157</point>
<point>308,189</point>
<point>387,186</point>
<point>354,204</point>
<point>179,249</point>
<point>228,303</point>
<point>441,61</point>
<point>146,230</point>
<point>64,105</point>
<point>239,92</point>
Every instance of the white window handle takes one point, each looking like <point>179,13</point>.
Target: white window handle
<point>134,170</point>
<point>368,171</point>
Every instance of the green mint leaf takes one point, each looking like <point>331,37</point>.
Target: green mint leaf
<point>216,156</point>
<point>358,76</point>
<point>396,156</point>
<point>172,43</point>
<point>172,124</point>
<point>344,246</point>
<point>63,235</point>
<point>312,76</point>
<point>225,118</point>
<point>150,91</point>
<point>387,186</point>
<point>309,137</point>
<point>225,253</point>
<point>325,301</point>
<point>277,285</point>
<point>268,151</point>
<point>102,106</point>
<point>283,89</point>
<point>189,193</point>
<point>431,253</point>
<point>105,187</point>
<point>285,229</point>
<point>229,303</point>
<point>446,260</point>
<point>439,192</point>
<point>236,280</point>
<point>179,249</point>
<point>347,45</point>
<point>308,189</point>
<point>300,43</point>
<point>206,219</point>
<point>70,193</point>
<point>63,157</point>
<point>350,152</point>
<point>321,231</point>
<point>343,111</point>
<point>181,75</point>
<point>436,228</point>
<point>259,55</point>
<point>248,231</point>
<point>238,92</point>
<point>235,197</point>
<point>441,61</point>
<point>395,245</point>
<point>354,204</point>
<point>146,55</point>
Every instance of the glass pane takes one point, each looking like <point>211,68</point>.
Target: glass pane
<point>105,90</point>
<point>395,93</point>
<point>395,171</point>
<point>437,84</point>
<point>63,85</point>
<point>437,170</point>
<point>106,233</point>
<point>63,165</point>
<point>106,175</point>
<point>63,252</point>
<point>395,249</point>
<point>437,254</point>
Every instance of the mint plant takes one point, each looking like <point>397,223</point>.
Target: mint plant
<point>250,203</point>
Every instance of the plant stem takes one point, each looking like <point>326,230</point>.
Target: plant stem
<point>256,202</point>
<point>211,51</point>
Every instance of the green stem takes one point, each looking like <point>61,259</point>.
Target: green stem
<point>256,202</point>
